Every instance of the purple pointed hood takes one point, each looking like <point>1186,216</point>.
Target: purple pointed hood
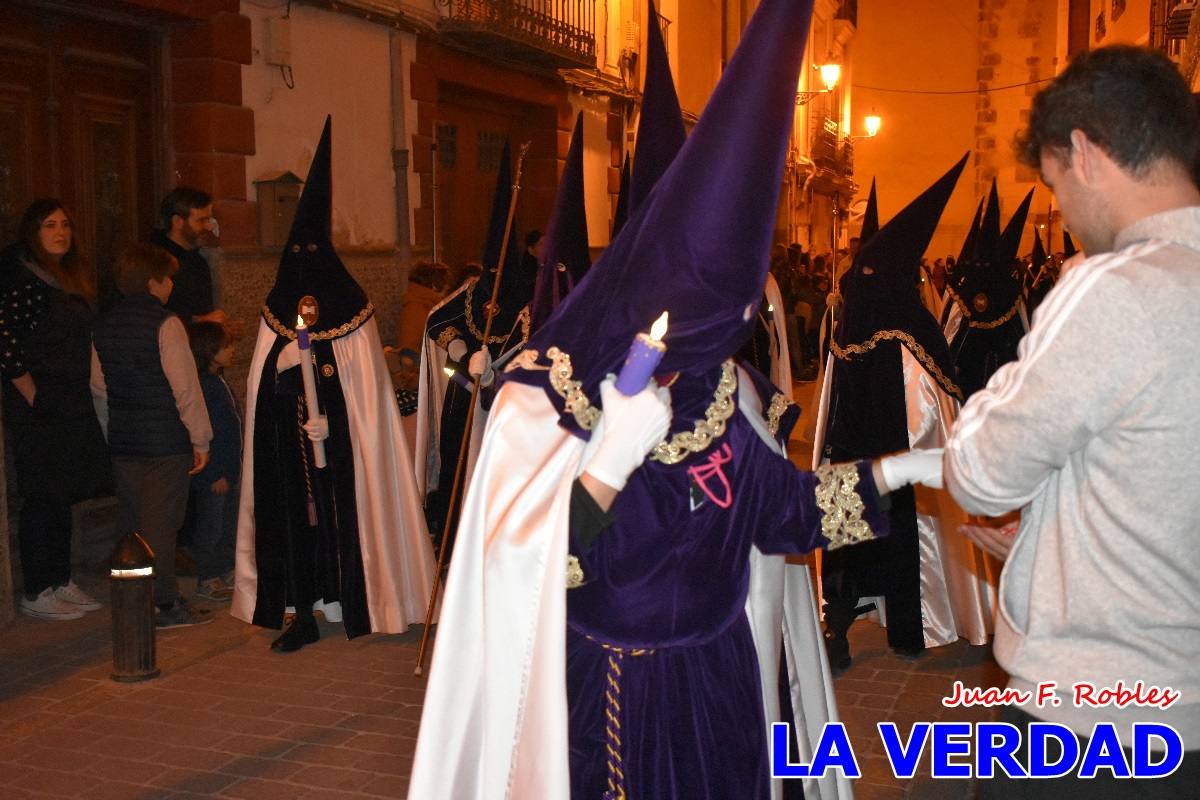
<point>660,131</point>
<point>566,258</point>
<point>698,246</point>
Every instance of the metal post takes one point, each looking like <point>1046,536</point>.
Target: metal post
<point>132,574</point>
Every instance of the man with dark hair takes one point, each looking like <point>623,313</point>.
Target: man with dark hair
<point>186,214</point>
<point>1092,432</point>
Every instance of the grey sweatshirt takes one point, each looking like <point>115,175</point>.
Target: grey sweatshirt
<point>1094,433</point>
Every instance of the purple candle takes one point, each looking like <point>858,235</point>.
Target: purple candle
<point>642,359</point>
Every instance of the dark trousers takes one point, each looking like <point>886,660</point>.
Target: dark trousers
<point>214,535</point>
<point>44,531</point>
<point>1183,784</point>
<point>152,496</point>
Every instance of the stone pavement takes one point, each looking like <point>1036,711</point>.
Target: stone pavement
<point>228,718</point>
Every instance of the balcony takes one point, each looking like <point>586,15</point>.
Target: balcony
<point>847,11</point>
<point>556,34</point>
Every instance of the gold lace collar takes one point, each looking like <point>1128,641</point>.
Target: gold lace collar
<point>669,451</point>
<point>849,351</point>
<point>469,314</point>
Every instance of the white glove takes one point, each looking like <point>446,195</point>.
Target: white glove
<point>456,350</point>
<point>480,366</point>
<point>915,466</point>
<point>632,427</point>
<point>289,357</point>
<point>317,428</point>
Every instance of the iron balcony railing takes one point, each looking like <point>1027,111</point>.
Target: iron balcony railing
<point>554,32</point>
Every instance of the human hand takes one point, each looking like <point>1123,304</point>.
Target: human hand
<point>289,357</point>
<point>632,428</point>
<point>217,315</point>
<point>199,461</point>
<point>317,428</point>
<point>996,541</point>
<point>480,366</point>
<point>915,466</point>
<point>220,487</point>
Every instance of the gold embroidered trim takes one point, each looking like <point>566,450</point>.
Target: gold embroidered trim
<point>571,391</point>
<point>684,443</point>
<point>987,326</point>
<point>913,347</point>
<point>448,335</point>
<point>332,333</point>
<point>779,404</point>
<point>574,572</point>
<point>526,359</point>
<point>522,319</point>
<point>841,506</point>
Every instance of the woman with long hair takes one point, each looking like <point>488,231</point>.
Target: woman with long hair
<point>46,315</point>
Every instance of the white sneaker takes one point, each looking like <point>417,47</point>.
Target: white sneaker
<point>73,596</point>
<point>47,606</point>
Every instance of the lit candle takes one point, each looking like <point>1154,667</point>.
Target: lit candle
<point>642,359</point>
<point>310,385</point>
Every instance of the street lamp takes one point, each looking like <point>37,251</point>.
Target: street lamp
<point>872,122</point>
<point>831,73</point>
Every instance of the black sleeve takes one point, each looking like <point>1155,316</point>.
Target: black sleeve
<point>588,520</point>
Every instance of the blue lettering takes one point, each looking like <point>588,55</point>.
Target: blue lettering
<point>1143,767</point>
<point>1039,733</point>
<point>904,757</point>
<point>948,741</point>
<point>996,745</point>
<point>833,752</point>
<point>1104,752</point>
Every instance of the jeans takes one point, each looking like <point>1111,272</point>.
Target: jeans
<point>215,533</point>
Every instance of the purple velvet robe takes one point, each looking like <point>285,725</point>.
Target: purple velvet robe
<point>671,580</point>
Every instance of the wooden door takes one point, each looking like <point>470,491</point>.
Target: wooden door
<point>77,121</point>
<point>471,132</point>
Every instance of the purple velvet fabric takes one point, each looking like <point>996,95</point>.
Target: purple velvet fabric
<point>674,578</point>
<point>566,257</point>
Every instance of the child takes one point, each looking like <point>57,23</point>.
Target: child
<point>215,488</point>
<point>149,403</point>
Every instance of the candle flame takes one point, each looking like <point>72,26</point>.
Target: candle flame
<point>300,322</point>
<point>659,329</point>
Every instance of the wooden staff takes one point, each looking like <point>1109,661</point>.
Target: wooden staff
<point>491,310</point>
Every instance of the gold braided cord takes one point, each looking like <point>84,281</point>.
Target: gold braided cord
<point>317,336</point>
<point>987,326</point>
<point>779,404</point>
<point>841,506</point>
<point>522,318</point>
<point>847,353</point>
<point>707,430</point>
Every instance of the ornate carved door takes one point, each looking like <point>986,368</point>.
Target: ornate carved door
<point>77,108</point>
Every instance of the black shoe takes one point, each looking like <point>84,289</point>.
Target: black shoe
<point>838,650</point>
<point>302,631</point>
<point>909,653</point>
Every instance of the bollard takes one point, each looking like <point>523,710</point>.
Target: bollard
<point>132,574</point>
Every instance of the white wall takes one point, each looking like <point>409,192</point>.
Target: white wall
<point>340,65</point>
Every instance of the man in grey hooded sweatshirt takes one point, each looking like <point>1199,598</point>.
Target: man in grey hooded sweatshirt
<point>1094,432</point>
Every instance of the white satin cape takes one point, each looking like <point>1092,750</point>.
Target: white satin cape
<point>397,557</point>
<point>431,392</point>
<point>958,580</point>
<point>494,723</point>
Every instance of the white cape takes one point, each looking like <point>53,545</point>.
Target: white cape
<point>431,392</point>
<point>494,723</point>
<point>397,556</point>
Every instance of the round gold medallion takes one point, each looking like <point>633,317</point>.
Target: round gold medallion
<point>327,370</point>
<point>980,302</point>
<point>308,310</point>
